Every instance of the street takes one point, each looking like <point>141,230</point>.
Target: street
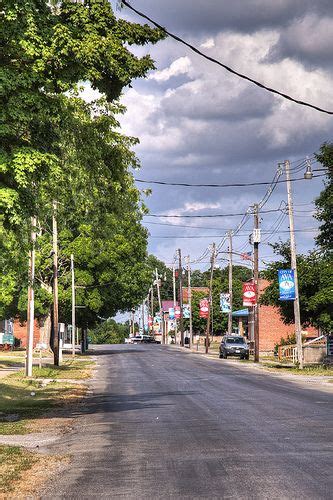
<point>162,423</point>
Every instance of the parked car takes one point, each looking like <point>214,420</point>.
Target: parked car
<point>234,345</point>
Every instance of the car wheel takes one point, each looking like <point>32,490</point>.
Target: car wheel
<point>246,357</point>
<point>220,355</point>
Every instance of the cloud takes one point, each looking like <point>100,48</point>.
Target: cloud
<point>309,39</point>
<point>180,66</point>
<point>199,124</point>
<point>208,44</point>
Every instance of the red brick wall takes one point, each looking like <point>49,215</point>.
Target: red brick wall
<point>20,332</point>
<point>271,326</point>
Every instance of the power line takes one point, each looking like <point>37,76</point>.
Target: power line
<point>207,215</point>
<point>228,68</point>
<point>306,230</point>
<point>239,184</point>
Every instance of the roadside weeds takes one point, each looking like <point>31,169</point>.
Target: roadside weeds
<point>41,407</point>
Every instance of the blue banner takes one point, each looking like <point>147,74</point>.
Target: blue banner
<point>286,284</point>
<point>186,311</point>
<point>225,302</point>
<point>171,313</point>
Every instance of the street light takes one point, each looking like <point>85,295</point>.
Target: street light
<point>308,174</point>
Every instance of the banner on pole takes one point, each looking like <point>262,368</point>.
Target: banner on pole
<point>249,294</point>
<point>177,312</point>
<point>286,284</point>
<point>171,313</point>
<point>186,311</point>
<point>203,308</point>
<point>225,302</point>
<point>150,320</point>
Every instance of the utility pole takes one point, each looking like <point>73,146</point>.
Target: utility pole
<point>212,264</point>
<point>152,307</point>
<point>180,272</point>
<point>55,346</point>
<point>31,301</point>
<point>297,314</point>
<point>73,306</point>
<point>160,303</point>
<point>230,284</point>
<point>143,317</point>
<point>256,239</point>
<point>189,295</point>
<point>174,297</point>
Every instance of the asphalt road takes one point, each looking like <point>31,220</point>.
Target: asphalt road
<point>164,424</point>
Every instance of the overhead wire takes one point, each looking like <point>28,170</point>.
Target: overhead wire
<point>226,67</point>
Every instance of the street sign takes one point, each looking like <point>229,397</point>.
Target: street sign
<point>225,302</point>
<point>286,284</point>
<point>7,338</point>
<point>249,294</point>
<point>203,308</point>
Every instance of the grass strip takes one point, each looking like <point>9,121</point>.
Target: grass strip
<point>13,462</point>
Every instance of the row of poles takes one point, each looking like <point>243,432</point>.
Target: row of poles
<point>254,311</point>
<point>55,341</point>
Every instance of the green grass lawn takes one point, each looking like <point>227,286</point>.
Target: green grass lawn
<point>70,369</point>
<point>23,400</point>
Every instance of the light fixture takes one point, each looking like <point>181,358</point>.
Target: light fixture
<point>308,174</point>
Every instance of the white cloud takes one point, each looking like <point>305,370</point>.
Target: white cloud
<point>208,44</point>
<point>180,66</point>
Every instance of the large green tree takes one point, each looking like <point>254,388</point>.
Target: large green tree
<point>54,146</point>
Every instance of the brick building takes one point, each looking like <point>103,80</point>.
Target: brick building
<point>271,327</point>
<point>41,331</point>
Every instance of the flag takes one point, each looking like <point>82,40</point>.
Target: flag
<point>246,256</point>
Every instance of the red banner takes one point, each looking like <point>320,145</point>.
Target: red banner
<point>177,312</point>
<point>203,308</point>
<point>150,320</point>
<point>249,294</point>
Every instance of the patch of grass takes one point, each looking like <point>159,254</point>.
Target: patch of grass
<point>22,400</point>
<point>14,461</point>
<point>70,369</point>
<point>312,370</point>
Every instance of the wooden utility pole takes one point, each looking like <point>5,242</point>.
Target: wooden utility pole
<point>152,307</point>
<point>189,295</point>
<point>297,312</point>
<point>210,305</point>
<point>31,301</point>
<point>230,283</point>
<point>180,277</point>
<point>160,303</point>
<point>73,306</point>
<point>55,346</point>
<point>256,240</point>
<point>174,297</point>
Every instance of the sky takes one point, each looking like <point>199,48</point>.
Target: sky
<point>198,123</point>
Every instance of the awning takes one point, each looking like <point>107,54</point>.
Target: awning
<point>241,313</point>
